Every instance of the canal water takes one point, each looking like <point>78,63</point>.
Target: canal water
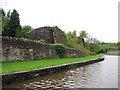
<point>103,74</point>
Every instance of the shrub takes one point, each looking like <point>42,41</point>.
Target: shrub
<point>60,49</point>
<point>118,45</point>
<point>105,50</point>
<point>25,32</point>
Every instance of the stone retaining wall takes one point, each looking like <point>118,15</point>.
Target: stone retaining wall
<point>19,49</point>
<point>19,76</point>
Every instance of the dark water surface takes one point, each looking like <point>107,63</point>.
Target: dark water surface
<point>98,75</point>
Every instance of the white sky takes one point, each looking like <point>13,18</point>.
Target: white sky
<point>98,17</point>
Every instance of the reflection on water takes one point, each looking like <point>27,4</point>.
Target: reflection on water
<point>98,75</point>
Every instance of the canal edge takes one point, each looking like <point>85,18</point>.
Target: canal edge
<point>24,75</point>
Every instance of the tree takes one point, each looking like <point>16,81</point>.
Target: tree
<point>92,40</point>
<point>118,44</point>
<point>2,19</point>
<point>5,22</point>
<point>8,14</point>
<point>2,12</point>
<point>13,27</point>
<point>25,31</point>
<point>83,35</point>
<point>70,35</point>
<point>0,24</point>
<point>93,45</point>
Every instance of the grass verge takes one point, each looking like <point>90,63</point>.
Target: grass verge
<point>17,66</point>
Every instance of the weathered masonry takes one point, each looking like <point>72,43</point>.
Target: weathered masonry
<point>49,35</point>
<point>19,49</point>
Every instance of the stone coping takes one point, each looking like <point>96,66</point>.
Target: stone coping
<point>23,75</point>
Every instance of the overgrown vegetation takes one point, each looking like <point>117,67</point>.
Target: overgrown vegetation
<point>88,44</point>
<point>60,49</point>
<point>25,31</point>
<point>118,45</point>
<point>60,36</point>
<point>10,67</point>
<point>11,27</point>
<point>77,42</point>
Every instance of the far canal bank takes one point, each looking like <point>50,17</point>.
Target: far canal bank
<point>114,52</point>
<point>24,75</point>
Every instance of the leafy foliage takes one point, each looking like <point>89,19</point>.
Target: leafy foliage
<point>3,20</point>
<point>60,50</point>
<point>93,44</point>
<point>2,12</point>
<point>10,24</point>
<point>25,31</point>
<point>76,42</point>
<point>70,35</point>
<point>83,34</point>
<point>93,47</point>
<point>12,27</point>
<point>14,24</point>
<point>104,47</point>
<point>118,44</point>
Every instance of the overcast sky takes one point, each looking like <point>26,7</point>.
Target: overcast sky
<point>98,17</point>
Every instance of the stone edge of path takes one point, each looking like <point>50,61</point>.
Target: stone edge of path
<point>18,76</point>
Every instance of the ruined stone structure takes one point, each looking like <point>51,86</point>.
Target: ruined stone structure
<point>50,35</point>
<point>18,49</point>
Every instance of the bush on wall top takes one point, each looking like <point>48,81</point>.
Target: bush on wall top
<point>60,49</point>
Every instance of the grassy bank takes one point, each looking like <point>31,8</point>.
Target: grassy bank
<point>9,67</point>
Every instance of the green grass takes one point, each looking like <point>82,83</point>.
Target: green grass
<point>111,46</point>
<point>9,67</point>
